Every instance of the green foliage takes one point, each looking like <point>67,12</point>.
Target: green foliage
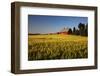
<point>47,47</point>
<point>70,31</point>
<point>82,30</point>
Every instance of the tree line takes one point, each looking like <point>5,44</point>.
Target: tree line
<point>82,30</point>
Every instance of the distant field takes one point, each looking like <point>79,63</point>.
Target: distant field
<point>47,47</point>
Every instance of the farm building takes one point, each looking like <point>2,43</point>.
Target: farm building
<point>63,31</point>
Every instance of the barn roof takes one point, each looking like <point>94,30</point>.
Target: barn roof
<point>64,30</point>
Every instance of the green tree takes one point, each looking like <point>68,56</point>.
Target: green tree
<point>74,30</point>
<point>86,30</point>
<point>70,31</point>
<point>81,27</point>
<point>77,32</point>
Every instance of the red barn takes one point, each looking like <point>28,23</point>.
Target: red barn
<point>63,31</point>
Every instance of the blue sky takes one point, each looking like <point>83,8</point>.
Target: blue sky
<point>52,24</point>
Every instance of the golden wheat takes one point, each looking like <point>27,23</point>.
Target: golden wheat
<point>47,47</point>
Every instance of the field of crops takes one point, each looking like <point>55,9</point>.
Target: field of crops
<point>47,47</point>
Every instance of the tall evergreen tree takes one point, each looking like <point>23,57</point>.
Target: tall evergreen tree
<point>81,27</point>
<point>74,30</point>
<point>70,31</point>
<point>86,30</point>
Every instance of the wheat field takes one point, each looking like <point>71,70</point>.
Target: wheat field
<point>57,46</point>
